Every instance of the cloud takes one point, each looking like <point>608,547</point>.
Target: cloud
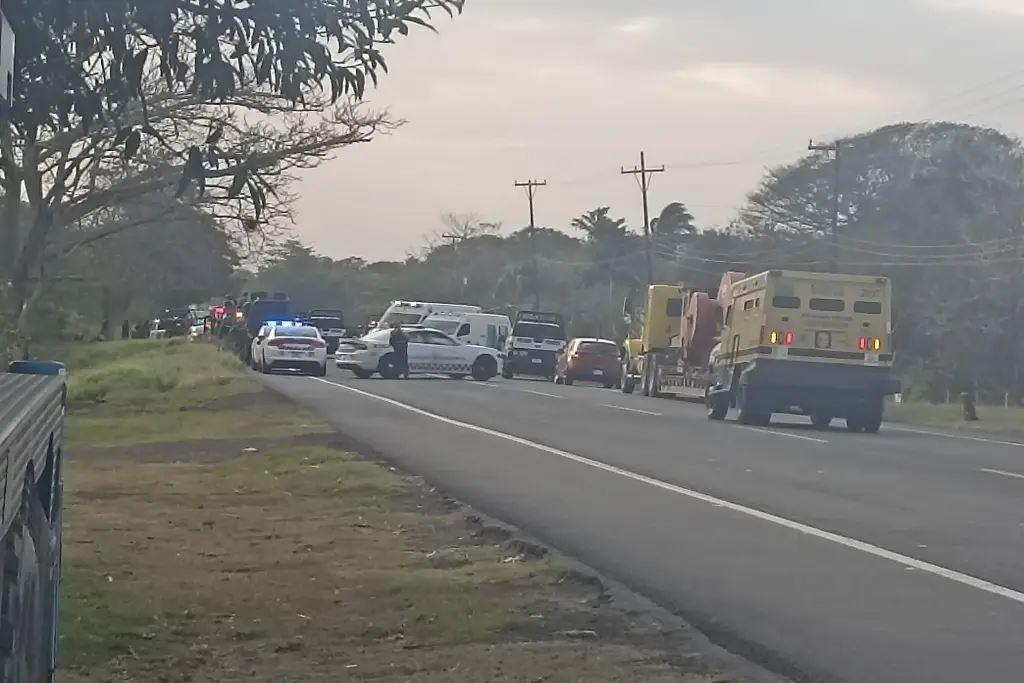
<point>768,82</point>
<point>1002,7</point>
<point>639,26</point>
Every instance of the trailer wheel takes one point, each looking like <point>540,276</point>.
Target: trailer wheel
<point>821,421</point>
<point>869,420</point>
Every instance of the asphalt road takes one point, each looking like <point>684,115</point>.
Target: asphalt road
<point>825,556</point>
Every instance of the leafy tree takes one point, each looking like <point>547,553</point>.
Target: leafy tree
<point>674,224</point>
<point>616,253</point>
<point>938,208</point>
<point>120,99</point>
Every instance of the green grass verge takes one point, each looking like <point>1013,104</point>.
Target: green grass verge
<point>997,420</point>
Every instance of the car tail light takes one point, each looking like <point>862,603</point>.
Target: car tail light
<point>276,342</point>
<point>318,344</point>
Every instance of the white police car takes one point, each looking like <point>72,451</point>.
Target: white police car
<point>431,352</point>
<point>284,345</point>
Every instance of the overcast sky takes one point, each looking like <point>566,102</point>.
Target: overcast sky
<point>717,90</point>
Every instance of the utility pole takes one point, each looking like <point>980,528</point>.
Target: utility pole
<point>644,177</point>
<point>531,190</point>
<point>835,149</point>
<point>460,281</point>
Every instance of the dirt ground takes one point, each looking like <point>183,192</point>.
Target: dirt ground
<point>284,557</point>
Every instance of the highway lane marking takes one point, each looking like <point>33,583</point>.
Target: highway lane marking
<point>979,439</point>
<point>1002,473</point>
<point>540,393</point>
<point>844,541</point>
<point>785,434</point>
<point>631,410</point>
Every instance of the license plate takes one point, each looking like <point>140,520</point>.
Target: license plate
<point>538,361</point>
<point>598,373</point>
<point>302,354</point>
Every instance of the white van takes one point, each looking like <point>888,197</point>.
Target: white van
<point>415,312</point>
<point>478,329</point>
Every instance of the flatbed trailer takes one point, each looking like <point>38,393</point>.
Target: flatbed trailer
<point>32,407</point>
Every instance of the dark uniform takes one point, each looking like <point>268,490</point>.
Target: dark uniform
<point>400,343</point>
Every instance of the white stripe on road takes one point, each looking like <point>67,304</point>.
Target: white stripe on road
<point>786,434</point>
<point>894,428</point>
<point>540,393</point>
<point>852,543</point>
<point>630,410</point>
<point>1002,473</point>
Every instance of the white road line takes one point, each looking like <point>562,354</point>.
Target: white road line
<point>1002,473</point>
<point>540,393</point>
<point>785,434</point>
<point>630,410</point>
<point>926,432</point>
<point>852,543</point>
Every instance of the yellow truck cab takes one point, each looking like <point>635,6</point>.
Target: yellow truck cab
<point>662,321</point>
<point>803,343</point>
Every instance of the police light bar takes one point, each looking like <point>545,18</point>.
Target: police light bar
<point>281,323</point>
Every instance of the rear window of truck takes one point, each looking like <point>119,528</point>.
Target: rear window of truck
<point>831,305</point>
<point>868,307</point>
<point>786,302</point>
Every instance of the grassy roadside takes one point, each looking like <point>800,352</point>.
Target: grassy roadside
<point>994,420</point>
<point>190,557</point>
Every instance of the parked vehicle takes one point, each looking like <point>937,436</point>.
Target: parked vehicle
<point>293,347</point>
<point>479,329</point>
<point>533,348</point>
<point>430,352</point>
<point>32,407</point>
<point>589,360</point>
<point>415,312</point>
<point>811,344</point>
<point>330,322</point>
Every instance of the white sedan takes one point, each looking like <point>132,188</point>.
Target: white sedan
<point>297,347</point>
<point>431,352</point>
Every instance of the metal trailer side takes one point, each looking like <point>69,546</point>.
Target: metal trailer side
<point>32,411</point>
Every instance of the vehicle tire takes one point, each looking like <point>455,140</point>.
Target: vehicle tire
<point>322,371</point>
<point>558,380</point>
<point>264,368</point>
<point>751,413</point>
<point>822,422</point>
<point>869,420</point>
<point>718,406</point>
<point>362,374</point>
<point>485,368</point>
<point>645,378</point>
<point>388,367</point>
<point>609,385</point>
<point>568,381</point>
<point>627,383</point>
<point>506,372</point>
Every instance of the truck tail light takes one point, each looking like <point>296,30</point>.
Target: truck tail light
<point>863,343</point>
<point>790,338</point>
<point>773,337</point>
<point>876,344</point>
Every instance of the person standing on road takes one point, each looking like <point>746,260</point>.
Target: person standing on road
<point>400,343</point>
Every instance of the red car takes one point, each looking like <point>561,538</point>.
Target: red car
<point>589,360</point>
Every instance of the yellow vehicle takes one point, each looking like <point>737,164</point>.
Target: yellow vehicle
<point>660,326</point>
<point>801,343</point>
